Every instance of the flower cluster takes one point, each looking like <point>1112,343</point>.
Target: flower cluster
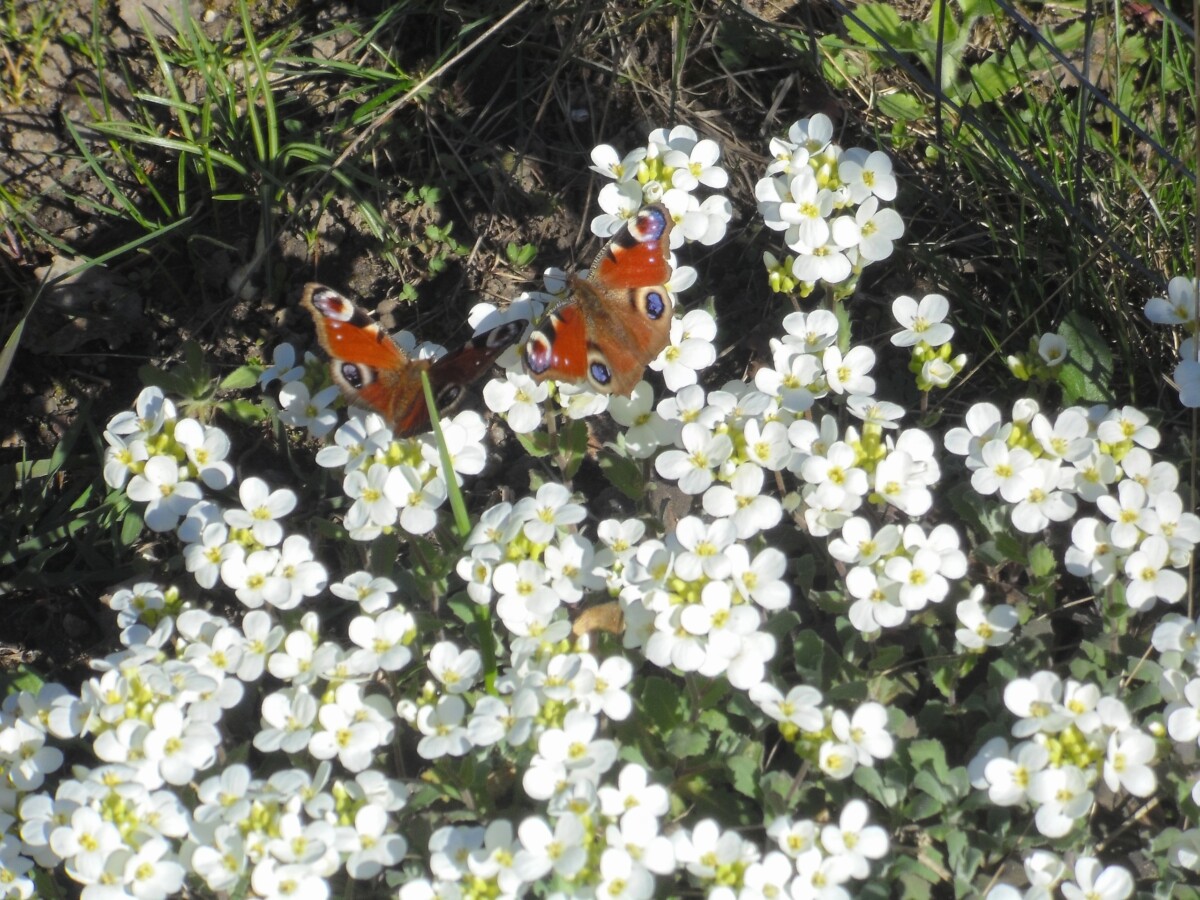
<point>517,685</point>
<point>1092,880</point>
<point>154,719</point>
<point>826,200</point>
<point>1177,640</point>
<point>165,459</point>
<point>1072,736</point>
<point>667,170</point>
<point>836,742</point>
<point>1180,308</point>
<point>1142,534</point>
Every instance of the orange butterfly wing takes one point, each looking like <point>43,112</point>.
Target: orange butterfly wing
<point>373,372</point>
<point>618,319</point>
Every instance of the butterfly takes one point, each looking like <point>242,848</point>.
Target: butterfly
<point>374,372</point>
<point>617,319</point>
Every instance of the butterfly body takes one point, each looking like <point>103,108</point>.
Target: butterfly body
<point>618,317</point>
<point>372,371</point>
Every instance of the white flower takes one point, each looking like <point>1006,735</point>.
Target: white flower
<point>897,480</point>
<point>370,592</point>
<point>864,177</point>
<point>848,374</point>
<point>456,670</point>
<point>442,726</point>
<point>550,510</point>
<point>690,350</point>
<point>1131,515</point>
<point>206,449</point>
<point>806,214</point>
<point>1037,700</point>
<point>810,332</point>
<point>1091,554</point>
<point>417,499</point>
<point>151,411</point>
<point>744,502</point>
<point>1052,349</point>
<point>283,367</point>
<point>872,230</point>
<point>620,201</point>
<point>1008,779</point>
<point>167,498</point>
<point>372,506</point>
<point>543,849</point>
<point>865,731</point>
<point>179,747</point>
<point>517,398</point>
<point>923,321</point>
<point>697,166</point>
<point>1178,307</point>
<point>1127,763</point>
<point>1063,799</point>
<point>1067,439</point>
<point>1149,579</point>
<point>606,162</point>
<point>1128,424</point>
<point>693,466</point>
<point>301,409</point>
<point>982,627</point>
<point>362,436</point>
<point>1187,377</point>
<point>304,576</point>
<point>647,430</point>
<point>261,507</point>
<point>829,262</point>
<point>1038,499</point>
<point>854,840</point>
<point>1092,882</point>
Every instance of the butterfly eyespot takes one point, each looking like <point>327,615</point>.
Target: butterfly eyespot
<point>599,373</point>
<point>538,354</point>
<point>655,304</point>
<point>358,377</point>
<point>649,224</point>
<point>448,396</point>
<point>333,306</point>
<point>505,334</point>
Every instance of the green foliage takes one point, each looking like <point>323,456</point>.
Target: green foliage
<point>519,256</point>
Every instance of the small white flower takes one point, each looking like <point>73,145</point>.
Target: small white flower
<point>517,398</point>
<point>922,321</point>
<point>1178,307</point>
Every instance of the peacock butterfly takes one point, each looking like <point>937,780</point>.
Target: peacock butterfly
<point>373,372</point>
<point>617,319</point>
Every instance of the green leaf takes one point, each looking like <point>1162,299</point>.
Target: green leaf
<point>929,754</point>
<point>744,774</point>
<point>1041,560</point>
<point>685,742</point>
<point>714,720</point>
<point>243,410</point>
<point>902,106</point>
<point>241,378</point>
<point>928,784</point>
<point>877,26</point>
<point>778,794</point>
<point>538,444</point>
<point>1087,374</point>
<point>21,679</point>
<point>623,474</point>
<point>661,700</point>
<point>1012,549</point>
<point>870,780</point>
<point>572,447</point>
